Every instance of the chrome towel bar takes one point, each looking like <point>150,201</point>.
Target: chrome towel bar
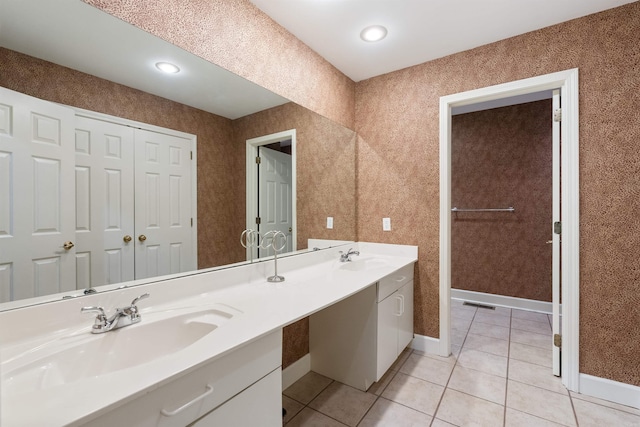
<point>509,209</point>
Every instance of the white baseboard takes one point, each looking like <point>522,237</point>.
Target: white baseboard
<point>502,301</point>
<point>613,391</point>
<point>296,370</point>
<point>425,344</point>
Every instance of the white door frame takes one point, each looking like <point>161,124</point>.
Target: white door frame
<point>252,181</point>
<point>567,82</point>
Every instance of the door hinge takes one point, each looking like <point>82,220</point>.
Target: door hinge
<point>258,160</point>
<point>557,227</point>
<point>557,340</point>
<point>557,115</point>
<point>258,220</point>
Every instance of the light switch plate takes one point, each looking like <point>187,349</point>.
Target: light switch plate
<point>386,224</point>
<point>329,222</point>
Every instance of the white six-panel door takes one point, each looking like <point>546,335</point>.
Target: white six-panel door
<point>73,189</point>
<point>274,184</point>
<point>104,203</point>
<point>36,197</point>
<point>162,204</point>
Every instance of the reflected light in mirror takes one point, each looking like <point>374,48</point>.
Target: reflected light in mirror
<point>167,67</point>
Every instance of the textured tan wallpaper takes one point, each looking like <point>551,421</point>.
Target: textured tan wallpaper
<point>220,161</point>
<point>397,125</point>
<point>239,37</point>
<point>326,175</point>
<point>500,158</point>
<point>326,186</point>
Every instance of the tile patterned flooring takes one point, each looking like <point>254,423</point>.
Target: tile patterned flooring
<point>498,375</point>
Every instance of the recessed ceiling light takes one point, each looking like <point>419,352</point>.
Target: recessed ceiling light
<point>167,67</point>
<point>373,33</point>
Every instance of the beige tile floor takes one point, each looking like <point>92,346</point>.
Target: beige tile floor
<point>499,375</point>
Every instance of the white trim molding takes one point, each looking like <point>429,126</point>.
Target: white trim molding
<point>295,371</point>
<point>567,82</point>
<point>501,301</point>
<point>613,391</point>
<point>425,344</point>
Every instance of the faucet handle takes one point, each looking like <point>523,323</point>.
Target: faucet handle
<point>132,310</point>
<point>135,300</point>
<point>101,318</point>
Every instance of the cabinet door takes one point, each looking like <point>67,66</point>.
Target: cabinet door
<point>389,311</point>
<point>405,321</point>
<point>259,405</point>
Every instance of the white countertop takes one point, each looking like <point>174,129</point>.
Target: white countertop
<point>313,281</point>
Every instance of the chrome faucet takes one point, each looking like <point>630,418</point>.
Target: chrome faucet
<point>347,257</point>
<point>121,318</point>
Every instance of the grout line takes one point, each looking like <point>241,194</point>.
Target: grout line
<point>446,386</point>
<point>506,383</point>
<point>379,396</point>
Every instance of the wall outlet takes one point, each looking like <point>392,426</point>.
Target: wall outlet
<point>329,222</point>
<point>386,224</point>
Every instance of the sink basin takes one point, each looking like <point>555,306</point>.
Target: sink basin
<point>100,354</point>
<point>360,264</point>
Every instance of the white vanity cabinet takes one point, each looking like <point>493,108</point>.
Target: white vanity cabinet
<point>395,326</point>
<point>240,389</point>
<point>356,340</point>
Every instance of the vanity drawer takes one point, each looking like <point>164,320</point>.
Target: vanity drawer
<point>394,281</point>
<point>187,398</point>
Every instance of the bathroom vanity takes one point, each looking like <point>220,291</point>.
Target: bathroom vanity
<point>356,340</point>
<point>208,346</point>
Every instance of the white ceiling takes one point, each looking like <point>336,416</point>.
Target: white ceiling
<point>419,30</point>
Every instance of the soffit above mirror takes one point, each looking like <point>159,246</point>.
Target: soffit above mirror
<point>75,35</point>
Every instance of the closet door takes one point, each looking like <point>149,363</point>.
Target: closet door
<point>36,197</point>
<point>162,204</point>
<point>104,202</point>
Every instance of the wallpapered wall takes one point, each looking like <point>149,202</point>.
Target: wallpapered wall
<point>326,180</point>
<point>396,117</point>
<point>398,174</point>
<point>237,36</point>
<point>499,158</point>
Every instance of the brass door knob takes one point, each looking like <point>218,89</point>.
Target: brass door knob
<point>142,237</point>
<point>126,238</point>
<point>68,245</point>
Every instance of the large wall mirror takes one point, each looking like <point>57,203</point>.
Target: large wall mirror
<point>71,54</point>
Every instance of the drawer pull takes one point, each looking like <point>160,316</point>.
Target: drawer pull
<point>186,405</point>
<point>400,278</point>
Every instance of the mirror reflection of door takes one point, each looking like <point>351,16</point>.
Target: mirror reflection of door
<point>274,193</point>
<point>88,200</point>
<point>37,233</point>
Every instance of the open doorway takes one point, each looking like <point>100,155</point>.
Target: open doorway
<point>271,188</point>
<point>567,83</point>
